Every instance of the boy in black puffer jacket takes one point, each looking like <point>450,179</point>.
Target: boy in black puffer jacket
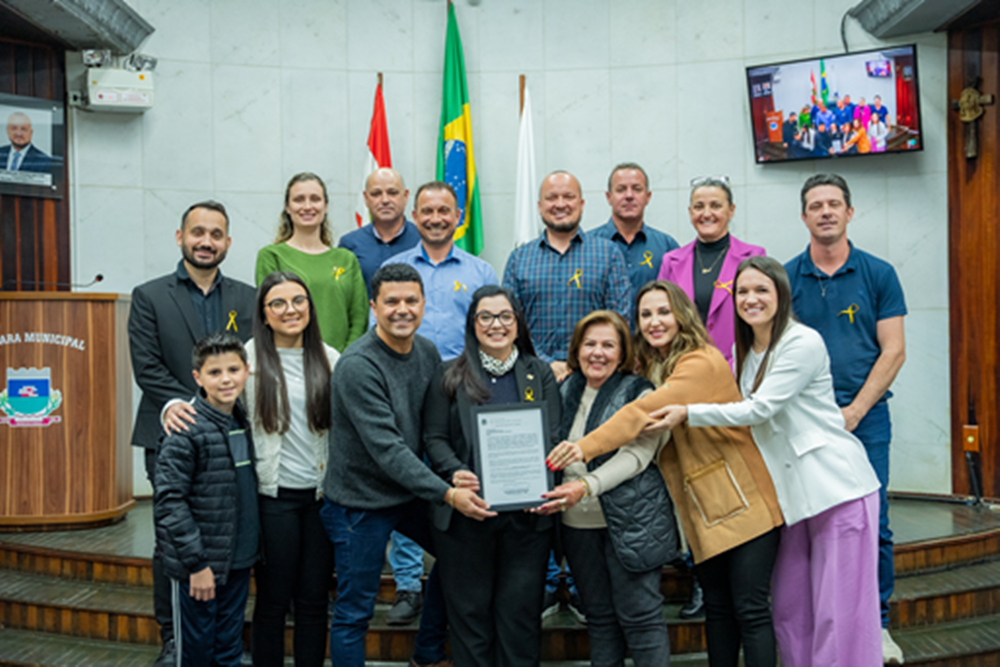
<point>205,509</point>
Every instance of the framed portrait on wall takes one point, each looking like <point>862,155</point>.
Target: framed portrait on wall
<point>32,147</point>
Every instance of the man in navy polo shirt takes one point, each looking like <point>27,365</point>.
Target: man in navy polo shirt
<point>856,303</point>
<point>389,232</point>
<point>641,246</point>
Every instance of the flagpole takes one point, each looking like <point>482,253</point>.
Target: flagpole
<point>521,86</point>
<point>380,79</point>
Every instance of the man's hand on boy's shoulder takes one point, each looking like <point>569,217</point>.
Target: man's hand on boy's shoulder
<point>203,585</point>
<point>176,415</point>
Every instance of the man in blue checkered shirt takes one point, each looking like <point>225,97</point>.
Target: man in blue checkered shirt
<point>564,274</point>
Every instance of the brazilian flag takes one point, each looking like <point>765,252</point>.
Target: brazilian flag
<point>455,162</point>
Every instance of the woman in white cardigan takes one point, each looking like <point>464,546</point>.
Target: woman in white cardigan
<point>825,582</point>
<point>288,404</point>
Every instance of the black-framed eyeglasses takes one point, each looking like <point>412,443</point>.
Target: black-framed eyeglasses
<point>279,306</point>
<point>485,318</point>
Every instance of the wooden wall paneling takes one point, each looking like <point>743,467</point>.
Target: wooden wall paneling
<point>974,247</point>
<point>34,233</point>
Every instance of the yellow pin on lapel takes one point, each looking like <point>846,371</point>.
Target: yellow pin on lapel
<point>647,259</point>
<point>576,278</point>
<point>337,272</point>
<point>232,322</point>
<point>529,395</point>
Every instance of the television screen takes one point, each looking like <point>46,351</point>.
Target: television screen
<point>863,103</point>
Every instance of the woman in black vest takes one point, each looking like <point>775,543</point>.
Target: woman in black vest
<point>617,518</point>
<point>492,571</point>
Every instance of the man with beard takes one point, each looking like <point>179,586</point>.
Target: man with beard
<point>565,274</point>
<point>169,315</point>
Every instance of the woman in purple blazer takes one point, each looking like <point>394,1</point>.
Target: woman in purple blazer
<point>706,267</point>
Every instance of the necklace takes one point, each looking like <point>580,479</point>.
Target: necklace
<point>701,264</point>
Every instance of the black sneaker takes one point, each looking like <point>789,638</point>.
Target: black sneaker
<point>168,655</point>
<point>406,608</point>
<point>550,606</point>
<point>575,607</point>
<point>695,607</point>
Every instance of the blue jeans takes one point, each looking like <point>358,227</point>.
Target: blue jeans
<point>552,576</point>
<point>875,433</point>
<point>359,538</point>
<point>406,559</point>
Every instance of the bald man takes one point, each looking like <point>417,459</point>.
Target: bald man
<point>564,274</point>
<point>389,232</point>
<point>19,154</point>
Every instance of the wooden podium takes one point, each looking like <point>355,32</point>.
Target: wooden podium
<point>65,410</point>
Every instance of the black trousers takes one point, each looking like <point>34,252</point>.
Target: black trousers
<point>493,576</point>
<point>737,586</point>
<point>162,608</point>
<point>624,609</point>
<point>297,565</point>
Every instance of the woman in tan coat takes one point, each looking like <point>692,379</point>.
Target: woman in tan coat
<point>717,478</point>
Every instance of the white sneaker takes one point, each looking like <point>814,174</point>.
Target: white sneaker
<point>891,653</point>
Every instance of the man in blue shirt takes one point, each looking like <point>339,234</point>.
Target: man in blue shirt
<point>856,303</point>
<point>389,232</point>
<point>641,246</point>
<point>564,275</point>
<point>450,274</point>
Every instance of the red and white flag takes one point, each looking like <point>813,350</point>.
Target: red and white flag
<point>378,152</point>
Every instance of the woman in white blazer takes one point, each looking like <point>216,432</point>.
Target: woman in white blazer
<point>825,582</point>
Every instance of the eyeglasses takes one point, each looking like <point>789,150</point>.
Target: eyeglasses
<point>279,306</point>
<point>485,319</point>
<point>709,180</point>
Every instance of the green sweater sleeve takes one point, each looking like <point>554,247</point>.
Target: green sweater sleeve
<point>357,305</point>
<point>267,263</point>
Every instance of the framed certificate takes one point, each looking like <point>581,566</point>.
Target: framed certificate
<point>509,444</point>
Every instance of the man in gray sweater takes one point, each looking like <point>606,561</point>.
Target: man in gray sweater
<point>376,480</point>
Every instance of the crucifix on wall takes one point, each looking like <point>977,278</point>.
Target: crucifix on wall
<point>970,107</point>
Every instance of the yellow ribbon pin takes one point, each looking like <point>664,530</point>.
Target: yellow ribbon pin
<point>576,278</point>
<point>232,321</point>
<point>529,395</point>
<point>337,272</point>
<point>647,259</point>
<point>726,286</point>
<point>850,311</point>
<point>459,287</point>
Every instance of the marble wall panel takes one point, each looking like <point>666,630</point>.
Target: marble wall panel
<point>177,133</point>
<point>245,32</point>
<point>246,118</point>
<point>312,33</point>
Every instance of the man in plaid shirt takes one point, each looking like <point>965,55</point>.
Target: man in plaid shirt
<point>565,274</point>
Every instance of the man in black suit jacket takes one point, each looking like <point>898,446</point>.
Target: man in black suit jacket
<point>168,316</point>
<point>25,156</point>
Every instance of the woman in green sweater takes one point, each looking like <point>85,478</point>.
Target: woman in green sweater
<point>304,246</point>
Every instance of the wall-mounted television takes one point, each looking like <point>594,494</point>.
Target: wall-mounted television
<point>853,104</point>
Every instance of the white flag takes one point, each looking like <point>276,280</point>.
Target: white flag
<point>525,197</point>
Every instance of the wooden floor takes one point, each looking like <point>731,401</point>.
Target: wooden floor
<point>83,598</point>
